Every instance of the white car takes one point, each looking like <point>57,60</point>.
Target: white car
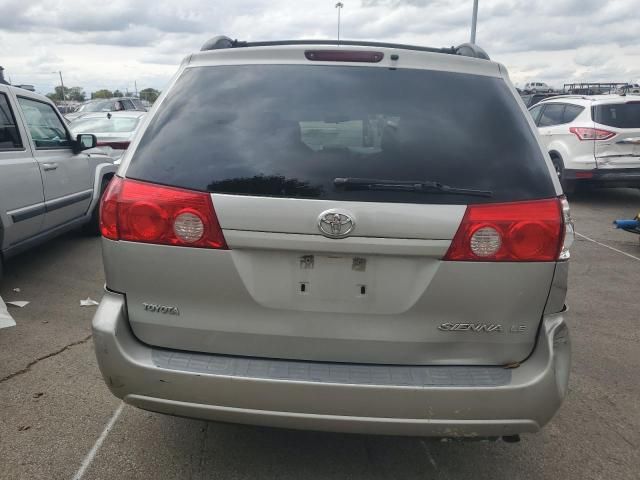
<point>114,130</point>
<point>633,88</point>
<point>537,87</point>
<point>591,139</point>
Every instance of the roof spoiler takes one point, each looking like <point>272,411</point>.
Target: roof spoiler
<point>466,49</point>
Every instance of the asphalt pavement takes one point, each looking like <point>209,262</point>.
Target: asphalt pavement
<point>59,421</point>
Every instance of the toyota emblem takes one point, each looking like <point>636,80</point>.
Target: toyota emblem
<point>335,224</point>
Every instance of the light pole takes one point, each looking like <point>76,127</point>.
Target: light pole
<point>61,85</point>
<point>474,21</point>
<point>339,6</point>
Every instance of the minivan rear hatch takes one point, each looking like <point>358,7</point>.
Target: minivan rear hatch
<point>339,189</point>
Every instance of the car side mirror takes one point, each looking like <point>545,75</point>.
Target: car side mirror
<point>85,141</point>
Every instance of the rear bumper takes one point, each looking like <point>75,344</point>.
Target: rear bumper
<point>396,400</point>
<point>612,177</point>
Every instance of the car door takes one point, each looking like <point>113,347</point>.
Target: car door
<point>66,176</point>
<point>21,195</point>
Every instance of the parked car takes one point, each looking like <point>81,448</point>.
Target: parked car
<point>114,130</point>
<point>531,99</point>
<point>633,88</point>
<point>110,105</point>
<point>368,239</point>
<point>592,140</point>
<point>50,180</point>
<point>537,87</point>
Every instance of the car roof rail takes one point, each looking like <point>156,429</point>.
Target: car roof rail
<point>466,49</point>
<point>555,97</point>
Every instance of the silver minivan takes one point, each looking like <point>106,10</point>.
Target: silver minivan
<point>360,237</point>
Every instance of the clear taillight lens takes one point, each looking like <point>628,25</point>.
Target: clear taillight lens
<point>143,212</point>
<point>569,230</point>
<point>188,227</point>
<point>510,232</point>
<point>584,133</point>
<point>485,242</point>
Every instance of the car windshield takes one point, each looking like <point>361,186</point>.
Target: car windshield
<point>105,125</point>
<point>289,131</point>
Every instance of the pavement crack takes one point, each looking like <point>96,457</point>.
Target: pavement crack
<point>49,355</point>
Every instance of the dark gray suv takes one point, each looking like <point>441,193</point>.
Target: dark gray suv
<point>362,238</point>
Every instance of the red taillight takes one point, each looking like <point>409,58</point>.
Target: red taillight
<point>344,56</point>
<point>510,232</point>
<point>584,133</point>
<point>143,212</point>
<point>114,145</point>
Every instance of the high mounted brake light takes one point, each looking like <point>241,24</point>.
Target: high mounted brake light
<point>144,212</point>
<point>533,231</point>
<point>344,56</point>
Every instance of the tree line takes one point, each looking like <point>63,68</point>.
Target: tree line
<point>77,94</point>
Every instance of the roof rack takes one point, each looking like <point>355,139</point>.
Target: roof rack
<point>466,49</point>
<point>555,97</point>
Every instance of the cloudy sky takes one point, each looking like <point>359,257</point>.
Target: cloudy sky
<point>114,43</point>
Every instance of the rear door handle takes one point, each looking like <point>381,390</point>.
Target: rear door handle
<point>49,166</point>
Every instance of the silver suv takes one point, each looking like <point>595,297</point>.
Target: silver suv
<point>361,238</point>
<point>50,180</point>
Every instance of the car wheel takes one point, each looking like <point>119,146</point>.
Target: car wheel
<point>93,226</point>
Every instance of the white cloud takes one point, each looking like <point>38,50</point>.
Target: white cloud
<point>112,44</point>
<point>591,56</point>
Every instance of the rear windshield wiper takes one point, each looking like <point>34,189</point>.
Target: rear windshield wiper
<point>419,186</point>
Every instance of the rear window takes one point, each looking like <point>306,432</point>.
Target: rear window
<point>620,115</point>
<point>104,125</point>
<point>103,106</point>
<point>290,130</point>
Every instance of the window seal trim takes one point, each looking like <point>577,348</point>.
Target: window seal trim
<point>15,149</point>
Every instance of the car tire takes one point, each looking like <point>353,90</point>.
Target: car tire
<point>93,226</point>
<point>568,186</point>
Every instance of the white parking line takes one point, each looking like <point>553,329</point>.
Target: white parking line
<point>86,463</point>
<point>429,456</point>
<point>608,246</point>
